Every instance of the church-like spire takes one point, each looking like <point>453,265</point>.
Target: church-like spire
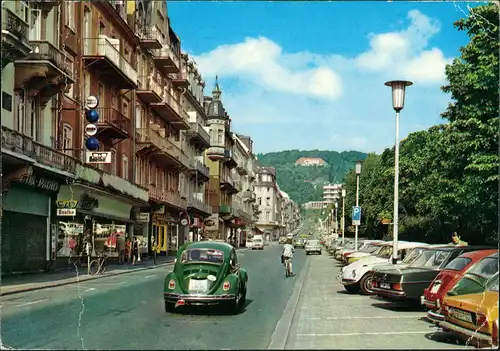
<point>216,93</point>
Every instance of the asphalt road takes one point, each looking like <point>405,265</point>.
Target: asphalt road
<point>126,312</point>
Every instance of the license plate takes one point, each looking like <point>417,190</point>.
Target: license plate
<point>385,285</point>
<point>435,288</point>
<point>462,315</point>
<point>198,285</point>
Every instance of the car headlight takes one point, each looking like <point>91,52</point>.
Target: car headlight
<point>354,273</point>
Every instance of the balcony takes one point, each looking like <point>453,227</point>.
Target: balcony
<point>160,149</point>
<point>113,124</point>
<point>249,196</point>
<point>225,209</point>
<point>150,38</point>
<point>198,169</point>
<point>16,146</point>
<point>199,136</point>
<point>46,70</point>
<point>149,90</point>
<point>215,153</point>
<point>197,204</point>
<point>166,60</point>
<point>15,43</point>
<point>171,111</point>
<point>227,183</point>
<point>181,80</point>
<point>229,159</point>
<point>47,5</point>
<point>105,59</point>
<point>242,170</point>
<point>167,197</point>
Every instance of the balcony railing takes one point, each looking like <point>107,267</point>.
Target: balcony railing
<point>226,178</point>
<point>196,128</point>
<point>103,47</point>
<point>170,197</point>
<point>46,51</point>
<point>24,145</point>
<point>167,51</point>
<point>114,118</point>
<point>149,82</point>
<point>175,105</point>
<point>148,135</point>
<point>14,25</point>
<point>199,205</point>
<point>200,167</point>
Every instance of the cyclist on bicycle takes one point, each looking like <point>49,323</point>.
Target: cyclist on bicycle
<point>287,253</point>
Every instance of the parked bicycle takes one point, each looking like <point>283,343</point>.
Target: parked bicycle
<point>99,265</point>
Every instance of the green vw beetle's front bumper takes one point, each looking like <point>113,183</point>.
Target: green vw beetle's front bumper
<point>192,299</point>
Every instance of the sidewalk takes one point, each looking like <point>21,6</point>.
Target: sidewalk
<point>29,282</point>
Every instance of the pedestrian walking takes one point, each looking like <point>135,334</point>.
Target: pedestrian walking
<point>128,247</point>
<point>120,247</point>
<point>135,250</point>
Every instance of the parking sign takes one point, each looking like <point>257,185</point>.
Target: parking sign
<point>356,215</point>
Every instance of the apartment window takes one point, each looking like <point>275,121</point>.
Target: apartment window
<point>268,215</point>
<point>220,137</point>
<point>67,139</point>
<point>138,117</point>
<point>24,11</point>
<point>101,95</point>
<point>70,92</point>
<point>35,25</point>
<point>124,167</point>
<point>34,126</point>
<point>70,14</point>
<point>86,85</point>
<point>113,161</point>
<point>21,114</point>
<point>268,201</point>
<point>125,108</point>
<point>268,188</point>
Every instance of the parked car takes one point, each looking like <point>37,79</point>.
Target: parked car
<point>339,254</point>
<point>446,279</point>
<point>357,275</point>
<point>368,250</point>
<point>206,273</point>
<point>312,246</point>
<point>365,245</point>
<point>470,308</point>
<point>299,243</point>
<point>257,244</point>
<point>409,283</point>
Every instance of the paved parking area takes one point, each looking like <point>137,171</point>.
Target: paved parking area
<point>327,317</point>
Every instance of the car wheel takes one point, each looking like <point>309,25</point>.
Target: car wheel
<point>307,253</point>
<point>320,252</point>
<point>352,289</point>
<point>365,284</point>
<point>169,307</point>
<point>243,300</point>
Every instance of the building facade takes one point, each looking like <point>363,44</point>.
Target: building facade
<point>332,192</point>
<point>266,191</point>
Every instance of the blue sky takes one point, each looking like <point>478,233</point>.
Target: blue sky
<point>310,75</point>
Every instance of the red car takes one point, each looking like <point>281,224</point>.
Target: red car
<point>434,294</point>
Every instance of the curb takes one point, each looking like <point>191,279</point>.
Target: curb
<point>53,285</point>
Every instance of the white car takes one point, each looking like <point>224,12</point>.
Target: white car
<point>312,246</point>
<point>249,243</point>
<point>258,244</point>
<point>365,244</point>
<point>357,275</point>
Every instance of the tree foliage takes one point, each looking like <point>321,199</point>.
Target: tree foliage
<point>449,173</point>
<point>305,184</point>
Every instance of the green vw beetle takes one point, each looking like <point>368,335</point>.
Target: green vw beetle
<point>206,273</point>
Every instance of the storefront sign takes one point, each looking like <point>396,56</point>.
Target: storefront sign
<point>212,223</point>
<point>66,212</point>
<point>41,183</point>
<point>67,203</point>
<point>143,217</point>
<point>97,157</point>
<point>88,202</point>
<point>184,222</point>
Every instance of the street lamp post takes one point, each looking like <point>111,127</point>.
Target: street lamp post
<point>336,218</point>
<point>343,216</point>
<point>398,101</point>
<point>358,172</point>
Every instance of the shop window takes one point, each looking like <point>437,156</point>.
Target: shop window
<point>68,139</point>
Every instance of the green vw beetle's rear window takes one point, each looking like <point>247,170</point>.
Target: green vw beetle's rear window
<point>203,255</point>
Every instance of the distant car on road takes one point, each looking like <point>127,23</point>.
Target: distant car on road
<point>312,246</point>
<point>206,273</point>
<point>299,243</point>
<point>282,240</point>
<point>258,244</point>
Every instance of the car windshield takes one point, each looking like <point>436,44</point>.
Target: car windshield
<point>437,259</point>
<point>313,242</point>
<point>385,251</point>
<point>413,255</point>
<point>424,257</point>
<point>202,255</point>
<point>370,248</point>
<point>478,278</point>
<point>349,245</point>
<point>458,264</point>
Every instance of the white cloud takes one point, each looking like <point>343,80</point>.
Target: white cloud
<point>405,53</point>
<point>302,99</point>
<point>262,61</point>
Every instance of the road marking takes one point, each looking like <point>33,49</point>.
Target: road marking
<point>359,317</point>
<point>31,303</point>
<point>150,276</point>
<point>368,333</point>
<point>113,284</point>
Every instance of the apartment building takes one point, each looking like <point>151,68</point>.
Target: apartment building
<point>196,141</point>
<point>266,191</point>
<point>332,192</point>
<point>316,205</point>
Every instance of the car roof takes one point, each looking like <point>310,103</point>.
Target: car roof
<point>214,245</point>
<point>479,254</point>
<point>468,248</point>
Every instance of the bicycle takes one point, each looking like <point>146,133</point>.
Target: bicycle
<point>99,265</point>
<point>288,267</point>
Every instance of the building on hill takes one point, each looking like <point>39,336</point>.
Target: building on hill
<point>310,161</point>
<point>315,205</point>
<point>332,192</point>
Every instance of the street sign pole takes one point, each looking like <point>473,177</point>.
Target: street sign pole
<point>357,204</point>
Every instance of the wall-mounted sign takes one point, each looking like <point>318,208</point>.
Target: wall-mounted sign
<point>66,203</point>
<point>91,129</point>
<point>41,183</point>
<point>66,212</point>
<point>92,102</point>
<point>212,222</point>
<point>142,217</point>
<point>184,222</point>
<point>98,157</point>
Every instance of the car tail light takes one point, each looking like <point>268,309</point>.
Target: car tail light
<point>346,254</point>
<point>226,286</point>
<point>494,334</point>
<point>171,284</point>
<point>397,286</point>
<point>481,320</point>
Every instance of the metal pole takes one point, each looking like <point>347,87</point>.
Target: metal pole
<point>357,204</point>
<point>396,195</point>
<point>343,219</point>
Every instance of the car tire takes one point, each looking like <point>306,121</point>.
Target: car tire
<point>352,289</point>
<point>365,284</point>
<point>307,253</point>
<point>320,252</point>
<point>169,307</point>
